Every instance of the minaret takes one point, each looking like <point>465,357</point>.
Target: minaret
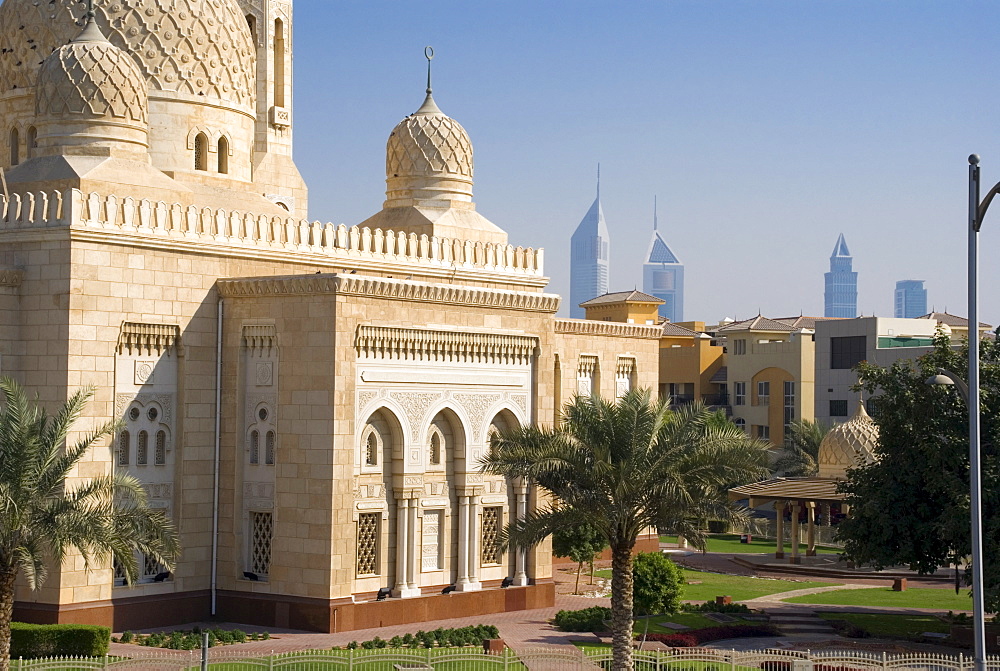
<point>663,275</point>
<point>841,295</point>
<point>589,248</point>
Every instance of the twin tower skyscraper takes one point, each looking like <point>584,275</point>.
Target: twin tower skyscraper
<point>590,246</point>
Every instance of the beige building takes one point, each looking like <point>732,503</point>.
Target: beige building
<point>307,402</point>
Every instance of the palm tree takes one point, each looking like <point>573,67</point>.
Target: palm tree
<point>801,450</point>
<point>624,467</point>
<point>42,517</point>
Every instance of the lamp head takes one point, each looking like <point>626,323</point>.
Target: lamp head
<point>939,379</point>
<point>973,159</point>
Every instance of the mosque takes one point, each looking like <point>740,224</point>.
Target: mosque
<point>307,402</point>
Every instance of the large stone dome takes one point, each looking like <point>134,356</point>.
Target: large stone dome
<point>90,77</point>
<point>848,445</point>
<point>196,47</point>
<point>429,150</point>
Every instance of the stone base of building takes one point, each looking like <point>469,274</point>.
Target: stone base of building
<point>287,612</point>
<point>642,544</point>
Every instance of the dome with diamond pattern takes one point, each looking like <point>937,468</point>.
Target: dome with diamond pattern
<point>91,78</point>
<point>848,445</point>
<point>429,151</point>
<point>193,47</point>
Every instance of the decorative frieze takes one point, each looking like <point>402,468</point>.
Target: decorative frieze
<point>476,406</point>
<point>610,329</point>
<point>147,339</point>
<point>415,405</point>
<point>10,277</point>
<point>416,344</point>
<point>259,339</point>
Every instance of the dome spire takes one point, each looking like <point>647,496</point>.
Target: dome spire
<point>91,32</point>
<point>429,106</point>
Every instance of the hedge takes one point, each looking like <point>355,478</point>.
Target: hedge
<point>586,619</point>
<point>50,640</point>
<point>690,639</point>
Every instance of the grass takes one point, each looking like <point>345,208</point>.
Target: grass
<point>737,586</point>
<point>886,625</point>
<point>925,597</point>
<point>730,544</point>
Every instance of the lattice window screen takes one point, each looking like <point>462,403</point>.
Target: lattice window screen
<point>124,447</point>
<point>269,448</point>
<point>431,556</point>
<point>260,543</point>
<point>491,530</point>
<point>142,449</point>
<point>150,567</point>
<point>368,543</point>
<point>371,450</point>
<point>254,447</point>
<point>160,451</point>
<point>119,570</point>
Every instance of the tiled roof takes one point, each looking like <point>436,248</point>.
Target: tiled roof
<point>622,297</point>
<point>671,329</point>
<point>721,375</point>
<point>802,489</point>
<point>758,323</point>
<point>802,322</point>
<point>952,320</point>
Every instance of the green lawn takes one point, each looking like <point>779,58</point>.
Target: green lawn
<point>737,586</point>
<point>730,544</point>
<point>926,597</point>
<point>886,625</point>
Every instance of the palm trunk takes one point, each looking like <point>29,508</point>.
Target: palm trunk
<point>6,614</point>
<point>621,605</point>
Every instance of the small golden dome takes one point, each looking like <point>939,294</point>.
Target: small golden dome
<point>848,445</point>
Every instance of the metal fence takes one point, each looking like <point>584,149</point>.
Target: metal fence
<point>825,535</point>
<point>547,659</point>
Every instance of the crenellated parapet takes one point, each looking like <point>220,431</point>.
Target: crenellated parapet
<point>612,329</point>
<point>143,222</point>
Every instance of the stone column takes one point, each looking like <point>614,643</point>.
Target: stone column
<point>463,543</point>
<point>521,560</point>
<point>416,549</point>
<point>473,556</point>
<point>811,530</point>
<point>402,543</point>
<point>779,509</point>
<point>796,559</point>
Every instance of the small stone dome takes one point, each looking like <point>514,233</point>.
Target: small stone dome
<point>194,47</point>
<point>848,445</point>
<point>429,152</point>
<point>90,77</point>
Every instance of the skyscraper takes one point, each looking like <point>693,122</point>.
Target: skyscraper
<point>588,263</point>
<point>663,275</point>
<point>841,295</point>
<point>911,299</point>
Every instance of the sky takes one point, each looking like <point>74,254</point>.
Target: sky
<point>764,129</point>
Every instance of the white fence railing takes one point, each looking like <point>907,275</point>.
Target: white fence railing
<point>547,659</point>
<point>825,535</point>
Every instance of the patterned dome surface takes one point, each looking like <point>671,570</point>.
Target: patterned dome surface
<point>200,47</point>
<point>93,78</point>
<point>849,444</point>
<point>428,143</point>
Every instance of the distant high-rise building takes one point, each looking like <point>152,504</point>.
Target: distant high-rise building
<point>588,261</point>
<point>841,295</point>
<point>663,275</point>
<point>911,299</point>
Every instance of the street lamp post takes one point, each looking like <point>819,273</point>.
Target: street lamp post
<point>977,209</point>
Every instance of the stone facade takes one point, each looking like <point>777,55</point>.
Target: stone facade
<point>307,402</point>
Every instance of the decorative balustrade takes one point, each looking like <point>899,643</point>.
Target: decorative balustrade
<point>158,219</point>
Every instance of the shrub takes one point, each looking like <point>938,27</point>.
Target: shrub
<point>50,640</point>
<point>656,584</point>
<point>718,526</point>
<point>353,645</point>
<point>674,640</point>
<point>734,631</point>
<point>586,619</point>
<point>713,607</point>
<point>396,642</point>
<point>849,629</point>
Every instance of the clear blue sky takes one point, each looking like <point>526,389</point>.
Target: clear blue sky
<point>765,128</point>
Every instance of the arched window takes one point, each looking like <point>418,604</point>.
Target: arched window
<point>279,63</point>
<point>371,450</point>
<point>269,448</point>
<point>15,146</point>
<point>124,447</point>
<point>200,152</point>
<point>142,449</point>
<point>740,423</point>
<point>32,141</point>
<point>252,24</point>
<point>435,452</point>
<point>160,451</point>
<point>254,447</point>
<point>223,151</point>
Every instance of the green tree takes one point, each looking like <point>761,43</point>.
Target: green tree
<point>43,517</point>
<point>624,467</point>
<point>656,586</point>
<point>911,507</point>
<point>581,543</point>
<point>801,451</point>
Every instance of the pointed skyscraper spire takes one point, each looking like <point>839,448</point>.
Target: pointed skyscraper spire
<point>589,249</point>
<point>598,181</point>
<point>654,213</point>
<point>663,273</point>
<point>841,294</point>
